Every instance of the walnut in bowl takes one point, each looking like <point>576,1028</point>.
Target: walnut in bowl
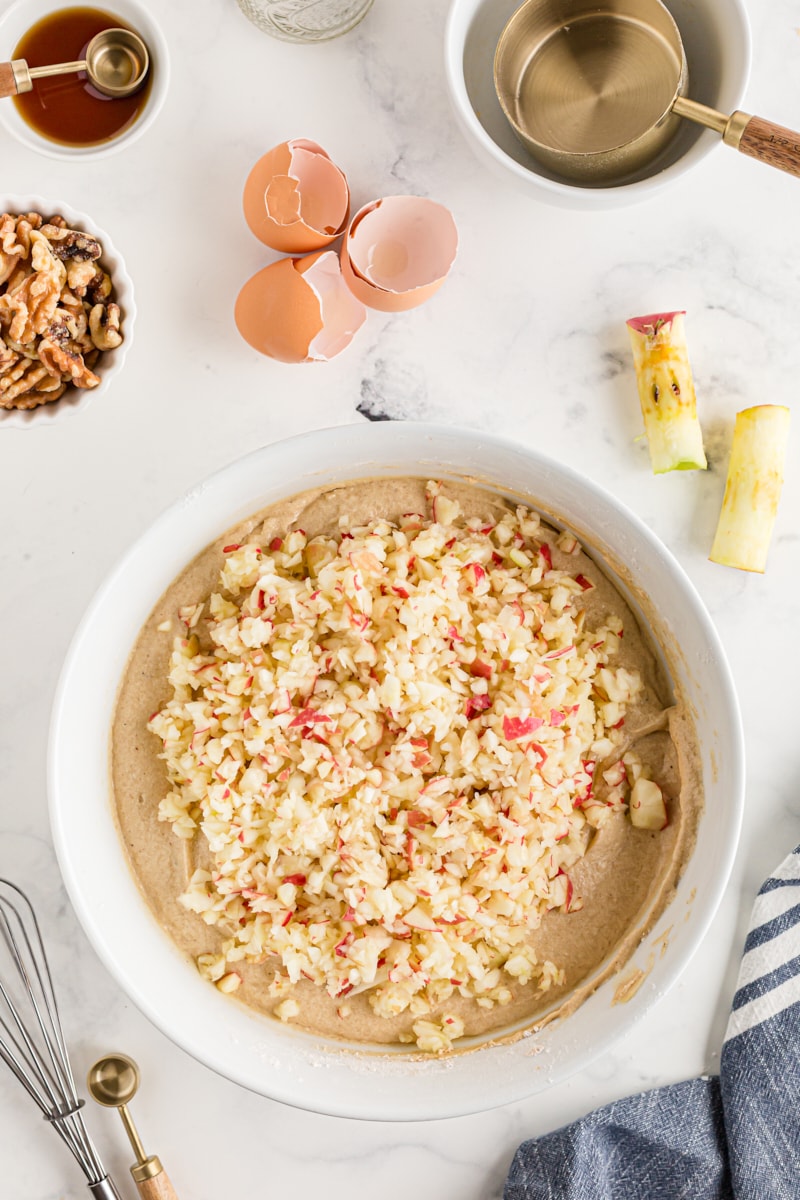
<point>66,310</point>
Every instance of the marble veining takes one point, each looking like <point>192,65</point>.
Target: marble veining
<point>526,339</point>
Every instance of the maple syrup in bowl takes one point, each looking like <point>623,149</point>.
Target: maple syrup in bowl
<point>68,108</point>
<point>65,116</point>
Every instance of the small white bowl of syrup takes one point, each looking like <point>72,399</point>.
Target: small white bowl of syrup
<point>64,116</point>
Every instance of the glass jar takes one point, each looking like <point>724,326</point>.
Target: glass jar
<point>305,20</point>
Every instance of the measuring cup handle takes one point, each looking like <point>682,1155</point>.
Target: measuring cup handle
<point>8,80</point>
<point>769,143</point>
<point>15,78</point>
<point>157,1188</point>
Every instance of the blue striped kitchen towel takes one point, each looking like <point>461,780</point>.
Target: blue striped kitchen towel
<point>731,1137</point>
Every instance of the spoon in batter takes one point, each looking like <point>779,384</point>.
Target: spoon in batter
<point>113,1081</point>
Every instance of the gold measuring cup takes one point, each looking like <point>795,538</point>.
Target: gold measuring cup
<point>596,89</point>
<point>117,62</point>
<point>113,1081</point>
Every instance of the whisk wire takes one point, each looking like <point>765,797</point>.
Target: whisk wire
<point>32,1042</point>
<point>57,1086</point>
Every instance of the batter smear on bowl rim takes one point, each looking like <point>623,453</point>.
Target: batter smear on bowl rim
<point>394,761</point>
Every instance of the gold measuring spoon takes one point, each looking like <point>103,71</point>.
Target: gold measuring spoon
<point>117,63</point>
<point>113,1081</point>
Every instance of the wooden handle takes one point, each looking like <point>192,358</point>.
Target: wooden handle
<point>157,1188</point>
<point>771,144</point>
<point>8,83</point>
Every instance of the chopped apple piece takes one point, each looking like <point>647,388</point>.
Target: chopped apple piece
<point>318,553</point>
<point>753,488</point>
<point>666,392</point>
<point>647,807</point>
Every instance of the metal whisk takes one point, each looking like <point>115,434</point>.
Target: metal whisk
<point>31,1039</point>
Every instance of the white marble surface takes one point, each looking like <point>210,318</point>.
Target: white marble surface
<point>527,339</point>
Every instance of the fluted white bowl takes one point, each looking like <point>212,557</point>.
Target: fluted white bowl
<point>111,361</point>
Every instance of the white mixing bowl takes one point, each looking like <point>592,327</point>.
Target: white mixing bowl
<point>716,38</point>
<point>258,1052</point>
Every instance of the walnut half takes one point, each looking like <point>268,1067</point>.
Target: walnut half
<point>104,326</point>
<point>69,366</point>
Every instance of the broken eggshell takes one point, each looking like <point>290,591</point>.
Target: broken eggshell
<point>398,251</point>
<point>296,199</point>
<point>299,309</point>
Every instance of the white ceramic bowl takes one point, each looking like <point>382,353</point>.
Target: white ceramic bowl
<point>111,361</point>
<point>18,19</point>
<point>258,1052</point>
<point>716,37</point>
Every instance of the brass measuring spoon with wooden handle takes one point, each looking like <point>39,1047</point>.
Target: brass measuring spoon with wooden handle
<point>113,1082</point>
<point>117,62</point>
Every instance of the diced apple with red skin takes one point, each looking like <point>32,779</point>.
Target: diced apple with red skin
<point>647,807</point>
<point>666,392</point>
<point>753,488</point>
<point>616,774</point>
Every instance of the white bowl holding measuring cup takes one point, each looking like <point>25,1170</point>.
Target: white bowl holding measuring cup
<point>716,38</point>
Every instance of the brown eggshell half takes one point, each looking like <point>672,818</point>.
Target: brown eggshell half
<point>299,309</point>
<point>296,199</point>
<point>398,251</point>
